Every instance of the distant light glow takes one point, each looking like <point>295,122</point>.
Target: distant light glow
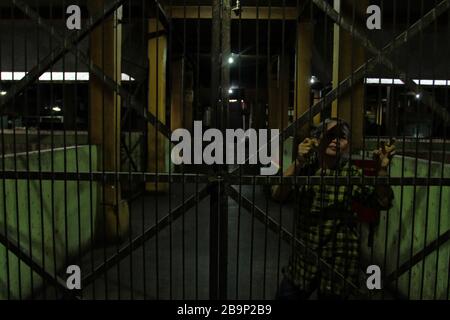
<point>230,91</point>
<point>230,60</point>
<point>422,82</point>
<point>3,93</point>
<point>55,76</point>
<point>418,96</point>
<point>56,109</point>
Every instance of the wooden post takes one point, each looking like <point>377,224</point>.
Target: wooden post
<point>348,55</point>
<point>157,56</point>
<point>303,69</point>
<point>181,95</point>
<point>176,96</point>
<point>278,93</point>
<point>104,125</point>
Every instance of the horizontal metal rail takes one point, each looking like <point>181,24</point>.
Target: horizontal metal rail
<point>244,180</point>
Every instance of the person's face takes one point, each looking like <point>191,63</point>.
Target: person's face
<point>337,142</point>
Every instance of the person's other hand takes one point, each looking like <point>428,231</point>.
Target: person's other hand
<point>384,154</point>
<point>305,148</point>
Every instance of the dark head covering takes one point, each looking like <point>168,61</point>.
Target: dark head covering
<point>340,130</point>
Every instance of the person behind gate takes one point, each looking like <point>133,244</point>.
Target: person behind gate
<point>324,219</point>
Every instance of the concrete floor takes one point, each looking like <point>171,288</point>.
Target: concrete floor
<point>182,272</point>
<point>180,269</point>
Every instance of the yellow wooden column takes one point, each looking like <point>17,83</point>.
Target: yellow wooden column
<point>104,122</point>
<point>157,56</point>
<point>348,55</point>
<point>303,74</point>
<point>176,95</point>
<point>278,93</point>
<point>181,96</point>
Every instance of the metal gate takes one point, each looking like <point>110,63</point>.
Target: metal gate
<point>94,94</point>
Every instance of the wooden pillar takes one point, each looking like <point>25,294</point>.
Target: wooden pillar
<point>303,74</point>
<point>157,56</point>
<point>188,100</point>
<point>348,55</point>
<point>278,93</point>
<point>104,113</point>
<point>176,96</point>
<point>181,95</point>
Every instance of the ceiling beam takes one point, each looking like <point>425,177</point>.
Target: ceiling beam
<point>248,13</point>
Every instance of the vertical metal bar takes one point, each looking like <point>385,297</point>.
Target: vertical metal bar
<point>170,184</point>
<point>402,197</point>
<point>103,156</point>
<point>255,109</point>
<point>127,124</point>
<point>52,161</point>
<point>117,132</point>
<point>421,39</point>
<point>252,232</point>
<point>218,199</point>
<point>257,99</point>
<point>214,197</point>
<point>170,48</point>
<point>156,156</point>
<point>352,106</point>
<point>15,157</point>
<point>430,148</point>
<point>223,199</point>
<point>252,239</point>
<point>197,108</point>
<point>64,111</point>
<point>444,142</point>
<point>390,132</point>
<point>92,189</point>
<point>258,105</point>
<point>386,120</point>
<point>364,131</point>
<point>5,215</point>
<point>281,124</point>
<point>310,121</point>
<point>77,166</point>
<point>416,159</point>
<point>145,134</point>
<point>41,198</point>
<point>444,156</point>
<point>30,242</point>
<point>183,220</point>
<point>296,136</point>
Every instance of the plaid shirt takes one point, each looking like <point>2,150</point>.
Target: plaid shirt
<point>326,224</point>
